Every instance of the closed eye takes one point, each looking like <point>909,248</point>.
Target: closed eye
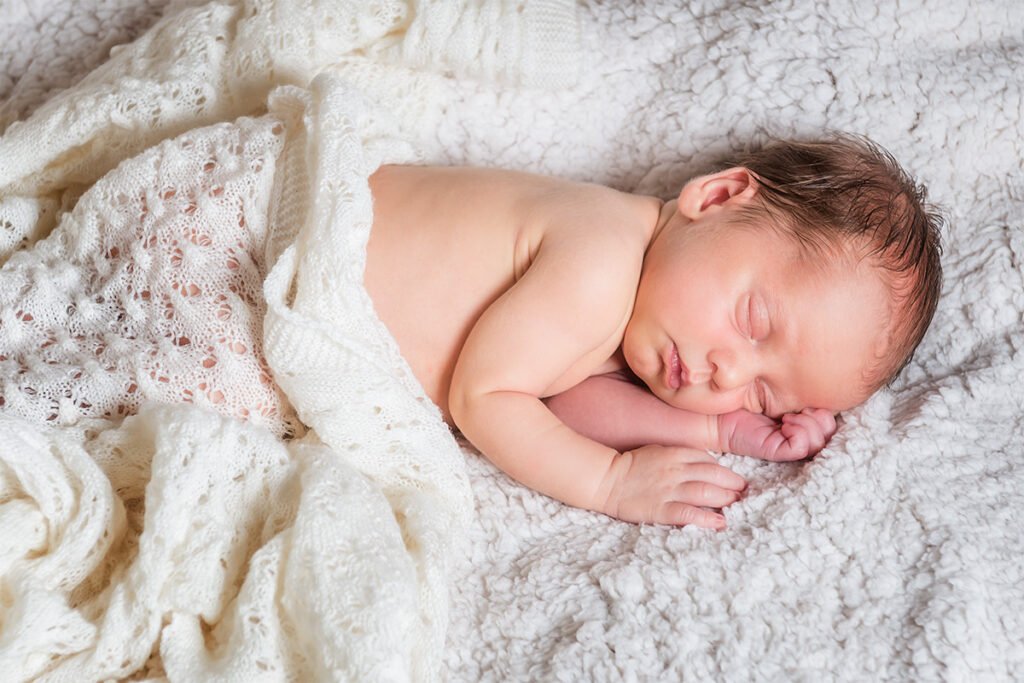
<point>743,319</point>
<point>758,322</point>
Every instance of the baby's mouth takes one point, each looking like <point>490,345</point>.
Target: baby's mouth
<point>674,369</point>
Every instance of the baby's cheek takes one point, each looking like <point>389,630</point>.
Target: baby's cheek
<point>699,399</point>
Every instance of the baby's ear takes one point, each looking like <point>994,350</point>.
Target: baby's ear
<point>712,192</point>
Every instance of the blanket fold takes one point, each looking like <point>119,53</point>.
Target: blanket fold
<point>212,284</point>
<point>218,61</point>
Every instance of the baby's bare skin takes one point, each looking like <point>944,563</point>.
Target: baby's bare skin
<point>505,290</point>
<point>447,242</point>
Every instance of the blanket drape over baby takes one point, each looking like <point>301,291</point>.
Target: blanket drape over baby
<point>209,276</point>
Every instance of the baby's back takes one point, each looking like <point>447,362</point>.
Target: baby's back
<point>448,242</point>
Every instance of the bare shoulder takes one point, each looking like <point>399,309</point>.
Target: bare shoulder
<point>559,205</point>
<point>578,256</point>
<point>588,244</point>
<point>598,232</point>
<point>592,227</point>
<point>541,203</point>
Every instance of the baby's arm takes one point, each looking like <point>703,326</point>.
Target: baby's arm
<point>565,306</point>
<point>616,411</point>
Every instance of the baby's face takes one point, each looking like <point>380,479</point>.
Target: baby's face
<point>729,317</point>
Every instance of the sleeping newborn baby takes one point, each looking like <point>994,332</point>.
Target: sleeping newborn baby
<point>595,344</point>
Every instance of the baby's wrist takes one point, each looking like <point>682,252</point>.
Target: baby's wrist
<point>606,499</point>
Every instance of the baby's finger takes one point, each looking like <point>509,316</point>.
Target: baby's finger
<point>681,514</point>
<point>812,430</point>
<point>713,473</point>
<point>826,419</point>
<point>702,494</point>
<point>797,443</point>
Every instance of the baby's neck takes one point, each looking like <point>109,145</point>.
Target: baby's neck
<point>665,211</point>
<point>657,213</point>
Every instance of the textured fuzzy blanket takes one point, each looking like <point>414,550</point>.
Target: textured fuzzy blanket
<point>895,554</point>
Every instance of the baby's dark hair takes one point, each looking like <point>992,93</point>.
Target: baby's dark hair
<point>846,191</point>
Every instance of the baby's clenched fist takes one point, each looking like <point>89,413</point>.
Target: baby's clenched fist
<point>794,437</point>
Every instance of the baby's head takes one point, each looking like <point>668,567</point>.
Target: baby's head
<point>805,275</point>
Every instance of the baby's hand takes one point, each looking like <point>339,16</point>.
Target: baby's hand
<point>670,485</point>
<point>797,436</point>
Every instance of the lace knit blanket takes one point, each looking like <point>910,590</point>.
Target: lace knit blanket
<point>181,301</point>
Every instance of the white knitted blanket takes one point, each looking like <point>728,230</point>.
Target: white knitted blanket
<point>895,555</point>
<point>212,283</point>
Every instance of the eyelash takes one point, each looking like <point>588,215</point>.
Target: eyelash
<point>752,314</point>
<point>749,316</point>
<point>760,391</point>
